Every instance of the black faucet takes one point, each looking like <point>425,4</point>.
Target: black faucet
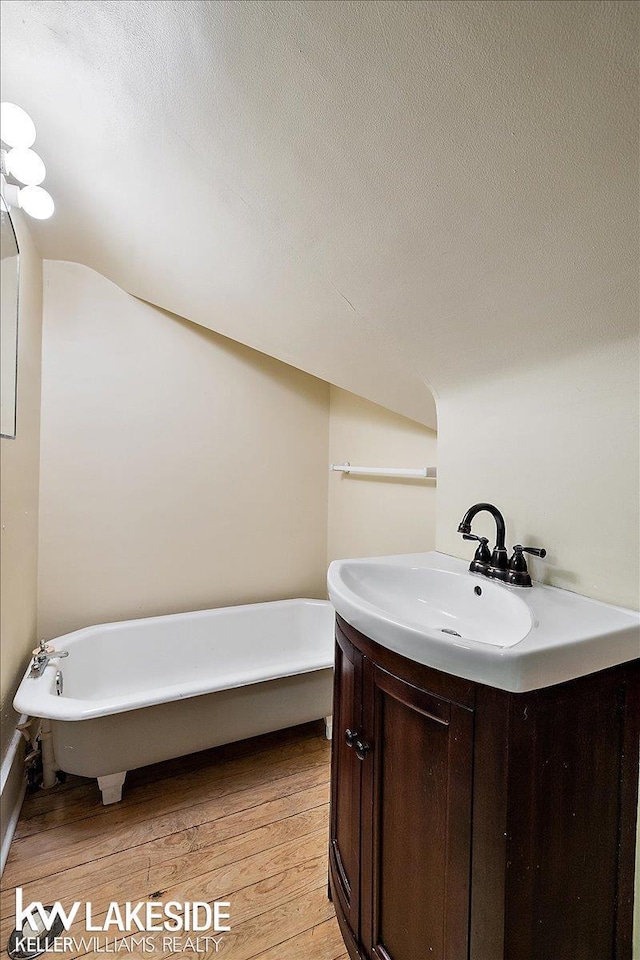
<point>490,564</point>
<point>496,564</point>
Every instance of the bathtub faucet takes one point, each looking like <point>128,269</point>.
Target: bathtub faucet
<point>41,658</point>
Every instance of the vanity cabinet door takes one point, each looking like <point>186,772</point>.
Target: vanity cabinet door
<point>416,826</point>
<point>346,780</point>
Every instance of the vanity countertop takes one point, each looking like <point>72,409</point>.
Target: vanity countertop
<point>429,608</point>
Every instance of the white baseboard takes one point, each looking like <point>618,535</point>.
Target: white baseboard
<point>12,791</point>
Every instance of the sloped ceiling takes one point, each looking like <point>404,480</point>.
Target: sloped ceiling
<point>385,194</point>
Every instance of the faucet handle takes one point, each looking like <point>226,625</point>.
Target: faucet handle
<point>517,562</point>
<point>41,651</point>
<point>482,554</point>
<point>534,551</point>
<point>46,651</point>
<point>518,573</point>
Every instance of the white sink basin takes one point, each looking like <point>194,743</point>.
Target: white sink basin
<point>429,608</point>
<point>440,601</point>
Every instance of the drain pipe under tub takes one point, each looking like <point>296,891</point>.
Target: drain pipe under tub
<point>49,778</point>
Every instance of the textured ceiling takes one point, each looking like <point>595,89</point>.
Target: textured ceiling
<point>386,194</point>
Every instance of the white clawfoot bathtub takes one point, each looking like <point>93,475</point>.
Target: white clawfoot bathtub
<point>142,691</point>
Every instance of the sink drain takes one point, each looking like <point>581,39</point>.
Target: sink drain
<point>452,633</point>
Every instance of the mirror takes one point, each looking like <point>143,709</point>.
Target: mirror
<point>9,275</point>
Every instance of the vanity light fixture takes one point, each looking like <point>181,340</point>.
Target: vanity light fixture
<point>22,164</point>
<point>18,129</point>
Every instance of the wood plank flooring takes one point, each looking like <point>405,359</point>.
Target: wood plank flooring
<point>246,823</point>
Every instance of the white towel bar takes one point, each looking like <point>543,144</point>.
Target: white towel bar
<point>421,473</point>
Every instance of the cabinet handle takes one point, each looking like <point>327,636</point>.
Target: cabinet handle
<point>353,740</point>
<point>351,737</point>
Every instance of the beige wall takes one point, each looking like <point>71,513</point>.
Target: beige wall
<point>8,338</point>
<point>557,450</point>
<point>179,469</point>
<point>19,489</point>
<point>375,516</point>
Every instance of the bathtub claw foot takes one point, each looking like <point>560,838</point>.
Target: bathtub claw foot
<point>111,787</point>
<point>328,727</point>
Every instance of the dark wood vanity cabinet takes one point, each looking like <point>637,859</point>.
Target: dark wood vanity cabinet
<point>468,823</point>
<point>346,784</point>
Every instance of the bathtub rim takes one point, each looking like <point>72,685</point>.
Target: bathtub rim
<point>36,697</point>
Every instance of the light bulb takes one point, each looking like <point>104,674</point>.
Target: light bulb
<point>36,202</point>
<point>26,166</point>
<point>17,129</point>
